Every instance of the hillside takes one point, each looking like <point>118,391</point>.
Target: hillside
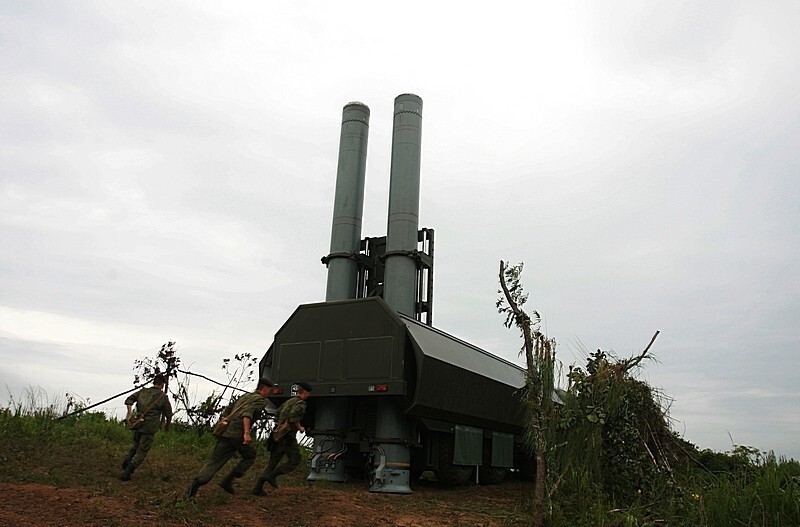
<point>60,473</point>
<point>66,473</point>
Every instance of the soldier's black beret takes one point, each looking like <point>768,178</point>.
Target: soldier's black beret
<point>304,385</point>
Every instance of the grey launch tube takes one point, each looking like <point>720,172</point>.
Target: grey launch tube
<point>348,206</point>
<point>348,209</point>
<point>403,225</point>
<point>393,462</point>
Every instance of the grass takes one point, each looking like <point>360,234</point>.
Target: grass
<point>84,451</point>
<point>767,494</point>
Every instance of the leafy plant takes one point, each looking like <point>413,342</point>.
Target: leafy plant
<point>203,413</point>
<point>240,371</point>
<point>166,363</point>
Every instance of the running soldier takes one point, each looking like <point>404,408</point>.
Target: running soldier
<point>289,416</point>
<point>233,436</point>
<point>152,404</point>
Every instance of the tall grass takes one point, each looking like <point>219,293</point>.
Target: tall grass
<point>766,494</point>
<point>758,494</point>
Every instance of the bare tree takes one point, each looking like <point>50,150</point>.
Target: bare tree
<point>540,375</point>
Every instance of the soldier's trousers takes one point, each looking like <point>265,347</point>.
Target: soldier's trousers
<point>142,443</point>
<point>223,451</point>
<point>288,448</point>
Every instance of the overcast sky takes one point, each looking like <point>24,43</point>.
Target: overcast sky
<point>167,172</point>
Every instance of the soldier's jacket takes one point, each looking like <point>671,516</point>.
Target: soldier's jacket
<point>155,403</point>
<point>292,411</point>
<point>248,405</point>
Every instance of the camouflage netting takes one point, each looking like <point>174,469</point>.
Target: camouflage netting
<point>613,430</point>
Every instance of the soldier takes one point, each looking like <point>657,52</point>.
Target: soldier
<point>151,405</point>
<point>234,437</point>
<point>290,413</point>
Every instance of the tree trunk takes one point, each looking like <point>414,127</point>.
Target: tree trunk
<point>538,493</point>
<point>534,396</point>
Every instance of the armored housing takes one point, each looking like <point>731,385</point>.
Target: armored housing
<point>462,402</point>
<point>364,348</point>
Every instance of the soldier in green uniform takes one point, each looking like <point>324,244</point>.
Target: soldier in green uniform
<point>151,405</point>
<point>235,437</point>
<point>291,412</point>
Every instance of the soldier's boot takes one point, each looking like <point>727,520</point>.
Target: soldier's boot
<point>258,490</point>
<point>227,483</point>
<point>192,490</point>
<point>272,478</point>
<point>127,473</point>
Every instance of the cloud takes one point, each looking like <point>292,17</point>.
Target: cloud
<point>168,174</point>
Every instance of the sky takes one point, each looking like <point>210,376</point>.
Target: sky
<point>167,173</point>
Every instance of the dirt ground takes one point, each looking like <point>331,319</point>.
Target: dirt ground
<point>323,504</point>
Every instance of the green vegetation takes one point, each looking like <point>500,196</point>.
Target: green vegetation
<point>743,487</point>
<point>619,464</point>
<point>606,455</point>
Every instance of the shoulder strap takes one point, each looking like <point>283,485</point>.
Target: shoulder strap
<point>237,407</point>
<point>153,403</point>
